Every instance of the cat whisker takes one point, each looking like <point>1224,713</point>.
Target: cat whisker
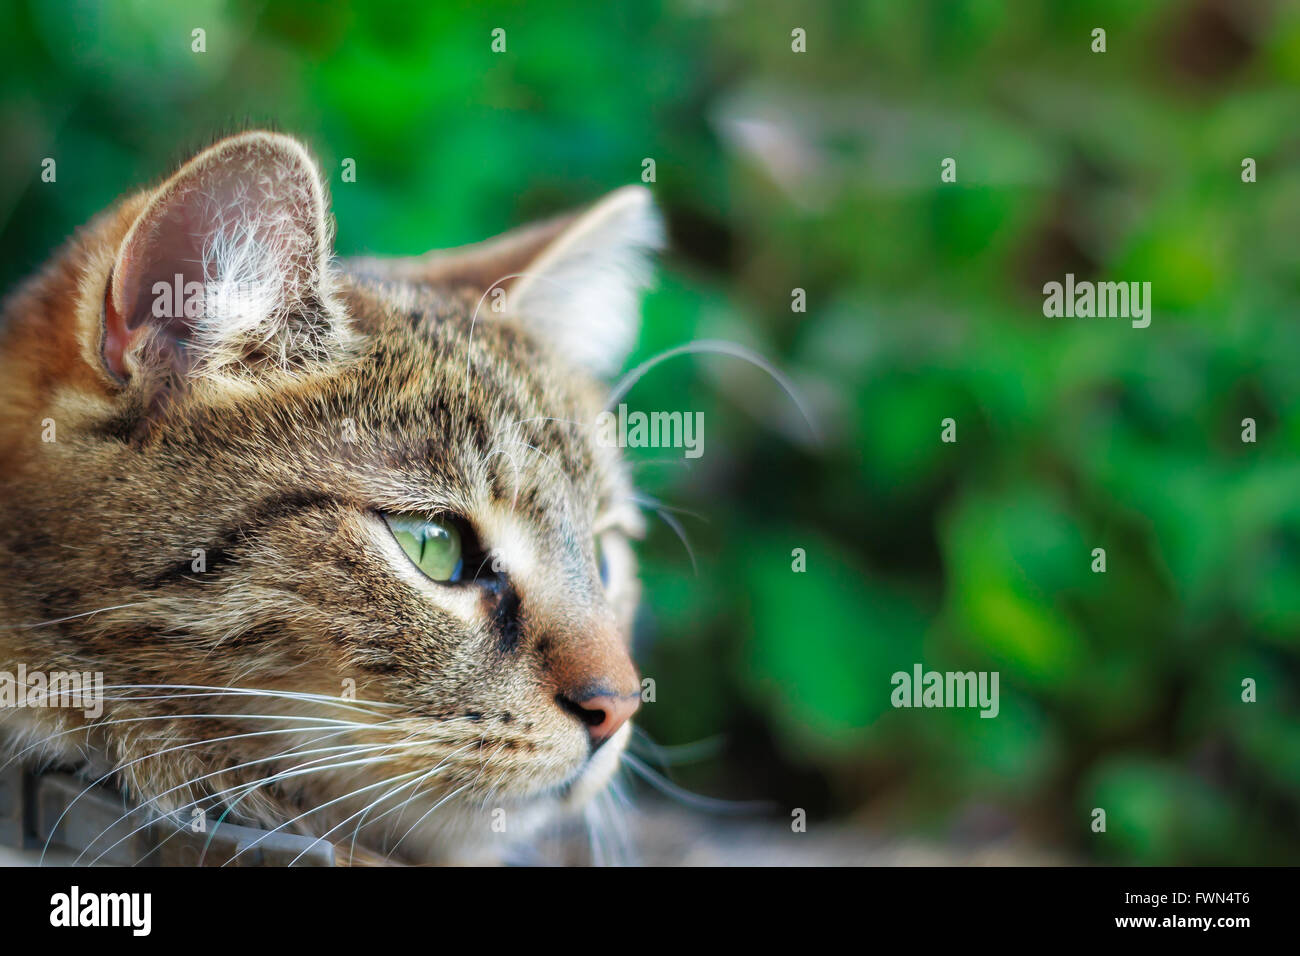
<point>647,501</point>
<point>558,466</point>
<point>299,770</point>
<point>601,826</point>
<point>157,754</point>
<point>677,528</point>
<point>619,809</point>
<point>682,795</point>
<point>593,835</point>
<point>417,776</point>
<point>401,809</point>
<point>73,617</point>
<point>317,809</point>
<point>418,782</point>
<point>403,743</point>
<point>250,787</point>
<point>718,347</point>
<point>392,827</point>
<point>425,815</point>
<point>50,693</point>
<point>666,757</point>
<point>291,753</point>
<point>469,353</point>
<point>362,814</point>
<point>546,418</point>
<point>348,703</point>
<point>361,824</point>
<point>182,827</point>
<point>118,721</point>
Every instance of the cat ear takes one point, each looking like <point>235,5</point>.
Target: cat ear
<point>575,280</point>
<point>226,266</point>
<point>582,292</point>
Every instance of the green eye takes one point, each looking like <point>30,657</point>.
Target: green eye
<point>434,546</point>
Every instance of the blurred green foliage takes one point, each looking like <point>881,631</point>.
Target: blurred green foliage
<point>820,171</point>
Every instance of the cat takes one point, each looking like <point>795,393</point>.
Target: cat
<point>338,534</point>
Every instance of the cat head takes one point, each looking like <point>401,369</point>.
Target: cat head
<point>341,534</point>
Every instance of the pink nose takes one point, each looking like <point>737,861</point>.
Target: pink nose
<point>604,714</point>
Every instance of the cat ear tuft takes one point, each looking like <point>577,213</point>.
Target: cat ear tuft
<point>226,266</point>
<point>575,280</point>
<point>582,291</point>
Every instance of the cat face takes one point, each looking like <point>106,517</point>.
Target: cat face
<point>341,537</point>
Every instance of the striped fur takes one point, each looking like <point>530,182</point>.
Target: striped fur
<point>422,400</point>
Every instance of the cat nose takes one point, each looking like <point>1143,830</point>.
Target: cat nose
<point>603,714</point>
<point>592,676</point>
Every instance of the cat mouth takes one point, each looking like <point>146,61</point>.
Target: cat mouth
<point>593,774</point>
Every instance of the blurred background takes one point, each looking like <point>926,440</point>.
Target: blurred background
<point>820,171</point>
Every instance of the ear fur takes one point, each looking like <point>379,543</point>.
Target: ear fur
<point>226,266</point>
<point>583,291</point>
<point>575,280</point>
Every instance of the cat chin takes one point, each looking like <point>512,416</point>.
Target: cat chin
<point>596,773</point>
<point>476,834</point>
<point>467,837</point>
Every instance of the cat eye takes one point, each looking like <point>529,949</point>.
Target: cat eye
<point>435,546</point>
